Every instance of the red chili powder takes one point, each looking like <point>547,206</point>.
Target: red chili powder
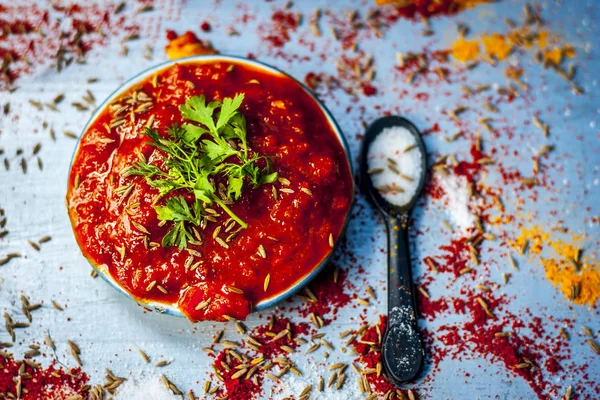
<point>34,37</point>
<point>434,128</point>
<point>429,308</point>
<point>264,335</point>
<point>470,169</point>
<point>421,8</point>
<point>205,26</point>
<point>330,294</point>
<point>455,258</point>
<point>239,388</point>
<point>245,389</point>
<point>278,33</point>
<point>368,89</point>
<point>478,334</point>
<point>44,382</point>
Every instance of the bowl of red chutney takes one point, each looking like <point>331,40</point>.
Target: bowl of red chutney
<point>210,187</point>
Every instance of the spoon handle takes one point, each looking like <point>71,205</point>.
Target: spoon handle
<point>402,349</point>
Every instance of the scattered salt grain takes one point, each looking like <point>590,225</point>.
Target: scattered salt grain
<point>401,320</point>
<point>144,388</point>
<point>395,163</point>
<point>457,201</point>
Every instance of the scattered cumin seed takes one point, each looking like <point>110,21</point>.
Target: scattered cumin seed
<point>144,356</point>
<point>262,251</point>
<point>528,181</point>
<point>229,344</point>
<point>423,291</point>
<point>485,307</point>
<point>587,331</point>
<point>57,306</point>
<point>568,392</point>
<point>371,292</point>
<point>272,377</point>
<point>44,239</point>
<point>162,289</point>
<point>34,245</point>
<point>312,348</point>
<point>363,302</point>
<point>49,341</point>
<point>162,363</point>
<point>235,290</point>
<point>221,242</point>
<point>594,346</point>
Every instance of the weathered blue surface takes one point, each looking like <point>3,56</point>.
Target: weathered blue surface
<point>108,326</point>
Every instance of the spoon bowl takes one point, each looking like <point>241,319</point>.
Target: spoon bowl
<point>402,345</point>
<point>371,134</point>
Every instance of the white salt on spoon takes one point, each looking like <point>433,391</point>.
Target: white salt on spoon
<point>395,165</point>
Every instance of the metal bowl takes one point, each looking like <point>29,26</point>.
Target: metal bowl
<point>172,309</point>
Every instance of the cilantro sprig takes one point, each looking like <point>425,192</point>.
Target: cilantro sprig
<point>210,147</point>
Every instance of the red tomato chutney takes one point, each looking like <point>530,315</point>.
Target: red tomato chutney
<point>291,222</point>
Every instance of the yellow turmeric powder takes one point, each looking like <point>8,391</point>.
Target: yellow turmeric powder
<point>465,50</point>
<point>578,280</point>
<point>497,46</point>
<point>566,278</point>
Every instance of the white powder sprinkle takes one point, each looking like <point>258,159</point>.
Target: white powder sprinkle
<point>401,324</point>
<point>457,201</point>
<point>391,143</point>
<point>144,388</point>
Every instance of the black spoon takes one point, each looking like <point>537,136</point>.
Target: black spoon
<point>402,346</point>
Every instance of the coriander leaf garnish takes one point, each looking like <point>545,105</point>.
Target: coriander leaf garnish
<point>178,211</point>
<point>196,109</point>
<point>209,150</point>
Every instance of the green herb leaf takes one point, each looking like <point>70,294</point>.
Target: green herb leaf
<point>193,133</point>
<point>193,162</point>
<point>217,149</point>
<point>268,178</point>
<point>196,109</point>
<point>235,186</point>
<point>229,108</point>
<point>178,211</point>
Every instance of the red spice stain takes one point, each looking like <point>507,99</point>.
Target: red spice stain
<point>422,8</point>
<point>368,89</point>
<point>37,37</point>
<point>527,350</point>
<point>239,388</point>
<point>205,26</point>
<point>50,382</point>
<point>227,360</point>
<point>471,169</point>
<point>331,295</point>
<point>313,80</point>
<point>264,334</point>
<point>455,258</point>
<point>279,31</point>
<point>434,129</point>
<point>429,308</point>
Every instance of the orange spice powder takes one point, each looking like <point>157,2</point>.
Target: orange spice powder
<point>564,267</point>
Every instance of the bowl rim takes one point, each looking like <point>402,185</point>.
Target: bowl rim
<point>172,309</point>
